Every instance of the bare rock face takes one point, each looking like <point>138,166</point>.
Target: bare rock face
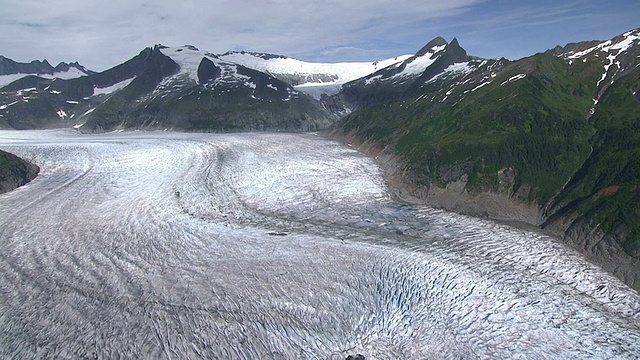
<point>207,71</point>
<point>15,171</point>
<point>356,357</point>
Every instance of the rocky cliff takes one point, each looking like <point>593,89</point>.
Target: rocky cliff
<point>15,172</point>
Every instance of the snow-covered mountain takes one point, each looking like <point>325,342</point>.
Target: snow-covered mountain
<point>310,77</point>
<point>11,70</point>
<point>186,88</point>
<point>435,66</point>
<point>162,87</point>
<point>235,90</point>
<point>202,68</point>
<point>41,100</point>
<point>159,82</point>
<point>619,56</point>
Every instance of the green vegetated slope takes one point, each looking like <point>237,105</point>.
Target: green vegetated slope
<point>15,172</point>
<point>604,192</point>
<point>536,125</point>
<point>532,120</point>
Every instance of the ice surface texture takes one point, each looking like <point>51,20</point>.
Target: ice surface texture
<point>162,245</point>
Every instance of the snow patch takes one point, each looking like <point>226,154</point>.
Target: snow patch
<point>72,73</point>
<point>514,78</point>
<point>372,79</point>
<point>22,91</point>
<point>112,88</point>
<point>417,66</point>
<point>623,45</point>
<point>457,68</point>
<point>481,85</point>
<point>439,48</point>
<point>586,52</point>
<point>606,46</point>
<point>611,59</point>
<point>187,57</point>
<point>463,67</point>
<point>420,97</point>
<point>2,107</point>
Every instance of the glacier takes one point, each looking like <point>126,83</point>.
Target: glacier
<point>164,245</point>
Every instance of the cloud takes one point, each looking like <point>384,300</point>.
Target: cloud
<point>102,33</point>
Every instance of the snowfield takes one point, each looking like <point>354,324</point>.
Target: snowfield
<point>275,246</point>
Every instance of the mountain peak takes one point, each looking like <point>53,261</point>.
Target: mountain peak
<point>456,50</point>
<point>435,43</point>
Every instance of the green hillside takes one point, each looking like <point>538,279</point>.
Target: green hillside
<point>536,125</point>
<point>604,191</point>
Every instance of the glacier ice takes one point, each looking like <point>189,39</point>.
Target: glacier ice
<point>161,245</point>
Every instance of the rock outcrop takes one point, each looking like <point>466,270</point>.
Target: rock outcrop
<point>15,172</point>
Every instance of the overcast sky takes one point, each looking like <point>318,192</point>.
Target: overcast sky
<point>104,33</point>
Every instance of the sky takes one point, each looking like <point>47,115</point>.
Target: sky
<point>101,34</point>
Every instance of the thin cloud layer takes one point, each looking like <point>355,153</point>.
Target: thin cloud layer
<point>100,34</point>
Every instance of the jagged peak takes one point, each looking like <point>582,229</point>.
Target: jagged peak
<point>41,63</point>
<point>437,42</point>
<point>454,47</point>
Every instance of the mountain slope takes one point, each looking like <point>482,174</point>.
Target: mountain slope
<point>432,68</point>
<point>551,140</point>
